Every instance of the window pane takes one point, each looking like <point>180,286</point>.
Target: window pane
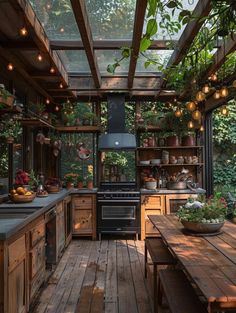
<point>161,57</point>
<point>105,57</point>
<point>74,61</point>
<point>111,19</point>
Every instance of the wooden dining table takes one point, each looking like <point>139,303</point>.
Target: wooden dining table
<point>209,260</point>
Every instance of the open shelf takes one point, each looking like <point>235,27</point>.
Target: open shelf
<point>37,122</point>
<point>86,129</point>
<point>167,147</point>
<point>164,165</point>
<point>13,110</point>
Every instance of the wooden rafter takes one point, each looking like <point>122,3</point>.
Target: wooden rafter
<point>141,6</point>
<point>81,17</point>
<point>39,36</point>
<point>202,9</point>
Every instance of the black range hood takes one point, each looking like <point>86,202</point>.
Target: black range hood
<point>117,138</point>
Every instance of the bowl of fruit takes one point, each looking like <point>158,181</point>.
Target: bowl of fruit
<point>21,195</point>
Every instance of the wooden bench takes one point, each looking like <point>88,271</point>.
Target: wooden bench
<point>179,293</point>
<point>160,255</point>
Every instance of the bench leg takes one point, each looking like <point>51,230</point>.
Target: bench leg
<point>155,288</point>
<point>145,260</point>
<point>159,293</point>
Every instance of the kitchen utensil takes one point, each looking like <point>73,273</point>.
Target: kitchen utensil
<point>176,185</point>
<point>155,161</point>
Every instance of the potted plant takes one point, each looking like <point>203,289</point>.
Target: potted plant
<point>22,178</point>
<point>89,181</point>
<point>6,98</point>
<point>70,179</point>
<point>10,130</point>
<point>53,185</point>
<point>203,215</point>
<point>89,118</point>
<point>79,181</point>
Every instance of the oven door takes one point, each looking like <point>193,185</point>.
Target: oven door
<point>118,216</point>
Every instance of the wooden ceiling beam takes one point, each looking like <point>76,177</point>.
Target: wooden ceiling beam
<point>108,44</point>
<point>19,45</point>
<point>201,10</point>
<point>140,11</point>
<point>39,36</point>
<point>82,20</point>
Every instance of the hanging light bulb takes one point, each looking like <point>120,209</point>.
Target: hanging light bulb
<point>224,92</point>
<point>206,88</point>
<point>48,6</point>
<point>39,57</point>
<point>178,112</point>
<point>224,110</point>
<point>216,95</point>
<point>61,85</point>
<point>62,30</point>
<point>201,128</point>
<point>234,83</point>
<point>191,106</point>
<point>200,96</point>
<point>213,77</point>
<point>52,70</point>
<point>57,108</point>
<point>23,32</point>
<point>190,124</point>
<point>196,115</point>
<point>47,101</point>
<point>10,67</point>
<point>193,81</point>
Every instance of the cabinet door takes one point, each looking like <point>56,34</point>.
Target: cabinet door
<point>153,202</point>
<point>83,202</point>
<point>60,227</point>
<point>37,258</point>
<point>17,289</point>
<point>173,202</point>
<point>82,221</point>
<point>150,230</point>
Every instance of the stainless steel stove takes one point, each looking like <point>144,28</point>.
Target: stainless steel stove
<point>118,209</point>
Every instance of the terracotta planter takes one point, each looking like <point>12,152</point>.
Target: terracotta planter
<point>90,185</point>
<point>69,185</point>
<point>8,101</point>
<point>10,140</point>
<point>188,140</point>
<point>172,141</point>
<point>80,185</point>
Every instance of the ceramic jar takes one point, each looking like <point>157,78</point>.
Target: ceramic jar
<point>194,159</point>
<point>151,142</point>
<point>172,141</point>
<point>180,159</point>
<point>187,140</point>
<point>165,157</point>
<point>188,160</point>
<point>161,142</point>
<point>173,159</point>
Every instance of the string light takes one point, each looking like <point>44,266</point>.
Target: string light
<point>39,57</point>
<point>10,67</point>
<point>200,96</point>
<point>213,77</point>
<point>57,108</point>
<point>47,101</point>
<point>23,32</point>
<point>191,106</point>
<point>234,83</point>
<point>48,6</point>
<point>178,112</point>
<point>190,124</point>
<point>52,70</point>
<point>62,30</point>
<point>201,128</point>
<point>196,115</point>
<point>224,92</point>
<point>61,85</point>
<point>217,95</point>
<point>206,88</point>
<point>224,110</point>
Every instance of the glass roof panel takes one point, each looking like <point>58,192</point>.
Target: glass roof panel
<point>74,61</point>
<point>105,57</point>
<point>161,57</point>
<point>162,33</point>
<point>111,19</point>
<point>57,18</point>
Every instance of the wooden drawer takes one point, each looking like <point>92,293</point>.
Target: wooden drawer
<point>82,221</point>
<point>37,233</point>
<point>84,202</point>
<point>37,282</point>
<point>37,258</point>
<point>152,202</point>
<point>16,253</point>
<point>59,207</point>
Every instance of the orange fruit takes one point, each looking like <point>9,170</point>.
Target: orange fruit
<point>20,191</point>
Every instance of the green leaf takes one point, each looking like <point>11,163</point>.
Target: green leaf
<point>112,67</point>
<point>146,64</point>
<point>145,44</point>
<point>151,27</point>
<point>152,8</point>
<point>126,52</point>
<point>171,4</point>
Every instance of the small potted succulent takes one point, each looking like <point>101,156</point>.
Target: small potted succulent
<point>70,179</point>
<point>89,181</point>
<point>79,181</point>
<point>53,185</point>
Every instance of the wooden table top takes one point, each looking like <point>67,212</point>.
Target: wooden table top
<point>210,260</point>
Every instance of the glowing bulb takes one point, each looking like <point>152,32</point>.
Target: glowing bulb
<point>200,96</point>
<point>213,77</point>
<point>224,92</point>
<point>62,30</point>
<point>47,101</point>
<point>57,108</point>
<point>191,106</point>
<point>206,88</point>
<point>216,95</point>
<point>201,128</point>
<point>40,57</point>
<point>196,115</point>
<point>61,85</point>
<point>234,83</point>
<point>224,110</point>
<point>10,67</point>
<point>190,124</point>
<point>48,6</point>
<point>178,113</point>
<point>193,81</point>
<point>52,70</point>
<point>23,32</point>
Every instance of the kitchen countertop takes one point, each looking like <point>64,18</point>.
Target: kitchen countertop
<point>168,191</point>
<point>24,213</point>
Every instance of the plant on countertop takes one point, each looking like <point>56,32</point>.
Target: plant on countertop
<point>53,181</point>
<point>22,177</point>
<point>70,177</point>
<point>33,180</point>
<point>203,210</point>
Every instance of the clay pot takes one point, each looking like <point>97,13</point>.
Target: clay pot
<point>80,185</point>
<point>151,142</point>
<point>161,142</point>
<point>69,185</point>
<point>90,185</point>
<point>172,141</point>
<point>188,140</point>
<point>188,160</point>
<point>10,140</point>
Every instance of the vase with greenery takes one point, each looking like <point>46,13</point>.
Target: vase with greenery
<point>89,118</point>
<point>10,129</point>
<point>70,179</point>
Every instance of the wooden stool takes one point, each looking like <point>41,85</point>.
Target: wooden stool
<point>179,293</point>
<point>160,255</point>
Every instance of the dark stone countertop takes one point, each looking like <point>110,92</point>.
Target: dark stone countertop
<point>164,191</point>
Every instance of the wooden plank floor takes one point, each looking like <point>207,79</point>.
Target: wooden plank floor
<point>98,276</point>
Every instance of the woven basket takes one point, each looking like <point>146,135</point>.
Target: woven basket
<point>52,189</point>
<point>22,198</point>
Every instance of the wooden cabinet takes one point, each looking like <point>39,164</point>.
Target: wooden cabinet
<point>150,205</point>
<point>36,257</point>
<point>84,215</point>
<point>17,277</point>
<point>67,202</point>
<point>60,228</point>
<point>174,201</point>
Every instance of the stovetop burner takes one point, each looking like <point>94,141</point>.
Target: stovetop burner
<point>118,191</point>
